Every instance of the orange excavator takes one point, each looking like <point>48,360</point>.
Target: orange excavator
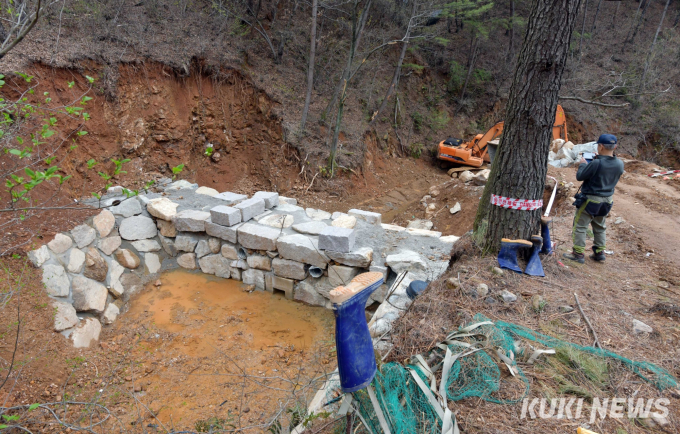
<point>482,148</point>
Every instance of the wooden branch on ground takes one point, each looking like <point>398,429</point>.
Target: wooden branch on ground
<point>310,184</point>
<point>592,329</point>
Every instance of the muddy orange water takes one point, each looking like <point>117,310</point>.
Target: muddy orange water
<point>210,349</point>
<point>211,305</point>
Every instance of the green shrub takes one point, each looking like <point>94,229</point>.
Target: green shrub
<point>418,121</point>
<point>416,150</point>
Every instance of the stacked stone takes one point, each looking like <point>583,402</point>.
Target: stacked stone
<point>92,270</point>
<point>266,241</point>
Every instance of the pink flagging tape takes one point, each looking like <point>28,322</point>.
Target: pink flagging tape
<point>523,204</point>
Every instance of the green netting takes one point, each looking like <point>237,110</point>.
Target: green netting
<point>404,405</point>
<point>407,409</point>
<point>650,372</point>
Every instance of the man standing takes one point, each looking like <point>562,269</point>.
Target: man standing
<point>599,177</point>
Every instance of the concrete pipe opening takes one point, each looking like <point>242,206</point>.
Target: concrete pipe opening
<point>315,272</point>
<point>241,252</point>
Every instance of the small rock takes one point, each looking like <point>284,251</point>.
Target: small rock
<point>137,228</point>
<point>60,243</point>
<point>162,208</point>
<point>88,295</point>
<point>104,223</point>
<point>481,177</point>
<point>168,245</point>
<point>202,249</point>
<point>86,333</point>
<point>187,260</point>
<point>508,296</point>
<point>166,228</point>
<point>574,318</point>
<point>214,244</point>
<point>407,260</point>
<point>453,283</point>
<point>131,283</point>
<point>157,283</point>
<point>207,191</point>
<point>361,257</point>
<point>345,221</point>
<point>64,316</point>
<point>116,287</point>
<point>146,246</point>
<point>225,215</point>
<point>186,243</point>
<point>95,266</point>
<point>434,191</point>
<point>283,200</point>
<point>373,218</point>
<point>271,199</point>
<point>619,220</point>
<point>497,271</point>
<point>109,245</point>
<point>310,228</point>
<point>565,309</point>
<point>430,210</point>
<point>110,314</point>
<point>640,327</point>
<point>455,209</point>
<point>277,221</point>
<point>482,290</point>
<point>537,303</point>
<point>127,258</point>
<point>39,256</point>
<point>152,263</point>
<point>76,260</point>
<point>191,220</point>
<point>83,235</point>
<point>466,176</point>
<point>317,214</point>
<point>127,208</point>
<point>420,224</point>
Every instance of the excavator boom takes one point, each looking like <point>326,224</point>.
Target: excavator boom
<point>476,151</point>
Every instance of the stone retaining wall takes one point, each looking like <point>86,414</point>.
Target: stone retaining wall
<point>266,241</point>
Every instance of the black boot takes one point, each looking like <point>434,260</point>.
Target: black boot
<point>597,256</point>
<point>574,256</point>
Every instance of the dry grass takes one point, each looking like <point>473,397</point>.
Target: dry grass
<point>611,297</point>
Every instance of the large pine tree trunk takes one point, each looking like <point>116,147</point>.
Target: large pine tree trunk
<point>521,162</point>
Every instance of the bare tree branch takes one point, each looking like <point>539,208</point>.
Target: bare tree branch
<point>585,101</point>
<point>22,33</point>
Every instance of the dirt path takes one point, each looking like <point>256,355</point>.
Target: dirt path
<point>650,208</point>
